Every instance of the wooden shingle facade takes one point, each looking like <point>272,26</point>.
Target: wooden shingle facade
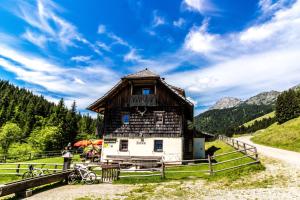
<point>143,111</point>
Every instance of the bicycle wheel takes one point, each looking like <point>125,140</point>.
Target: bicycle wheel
<point>27,175</point>
<point>90,178</point>
<point>37,172</point>
<point>72,178</point>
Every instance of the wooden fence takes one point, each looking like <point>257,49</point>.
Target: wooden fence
<point>157,168</point>
<point>20,167</point>
<point>245,148</point>
<point>31,155</point>
<point>211,167</point>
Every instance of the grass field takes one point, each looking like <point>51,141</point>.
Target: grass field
<point>174,173</point>
<point>284,136</point>
<point>269,115</point>
<point>177,173</point>
<point>10,178</point>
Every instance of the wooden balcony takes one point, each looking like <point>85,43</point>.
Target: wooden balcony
<point>143,100</point>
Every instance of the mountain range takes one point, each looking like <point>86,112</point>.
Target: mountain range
<point>264,98</point>
<point>229,113</point>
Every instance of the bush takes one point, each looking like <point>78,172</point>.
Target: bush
<point>46,138</point>
<point>20,150</point>
<point>9,133</point>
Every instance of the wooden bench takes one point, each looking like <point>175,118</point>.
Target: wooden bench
<point>137,161</point>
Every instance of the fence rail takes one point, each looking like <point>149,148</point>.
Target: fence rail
<point>32,155</point>
<point>20,168</point>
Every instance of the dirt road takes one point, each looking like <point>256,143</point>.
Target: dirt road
<point>288,157</point>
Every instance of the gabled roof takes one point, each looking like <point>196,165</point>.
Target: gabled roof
<point>142,74</point>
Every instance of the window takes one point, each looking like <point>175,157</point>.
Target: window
<point>123,145</point>
<point>158,145</point>
<point>147,91</point>
<point>125,119</point>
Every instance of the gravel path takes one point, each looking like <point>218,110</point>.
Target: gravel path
<point>289,157</point>
<point>70,192</point>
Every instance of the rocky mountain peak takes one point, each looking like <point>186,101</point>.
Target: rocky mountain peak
<point>264,98</point>
<point>226,102</point>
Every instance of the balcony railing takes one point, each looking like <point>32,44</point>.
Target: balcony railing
<point>143,100</point>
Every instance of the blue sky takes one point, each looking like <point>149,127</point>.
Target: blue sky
<point>211,48</point>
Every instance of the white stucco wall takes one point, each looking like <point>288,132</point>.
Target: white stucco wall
<point>172,148</point>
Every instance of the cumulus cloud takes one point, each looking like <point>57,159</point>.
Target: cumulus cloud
<point>199,40</point>
<point>259,58</point>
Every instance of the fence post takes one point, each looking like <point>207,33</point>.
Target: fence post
<point>18,168</point>
<point>237,144</point>
<point>163,175</point>
<point>4,158</point>
<point>55,167</point>
<point>256,154</point>
<point>210,165</point>
<point>244,144</point>
<point>232,140</point>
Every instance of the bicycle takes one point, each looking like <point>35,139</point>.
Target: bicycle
<point>33,172</point>
<point>81,173</point>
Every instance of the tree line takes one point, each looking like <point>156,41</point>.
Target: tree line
<point>30,122</point>
<point>287,107</point>
<point>226,121</point>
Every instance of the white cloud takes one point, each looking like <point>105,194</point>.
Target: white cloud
<point>201,6</point>
<point>132,56</point>
<point>118,40</point>
<point>81,58</point>
<point>260,58</point>
<point>179,23</point>
<point>157,19</point>
<point>46,26</point>
<point>101,29</point>
<point>199,40</point>
<point>103,46</point>
<point>37,39</point>
<point>80,83</point>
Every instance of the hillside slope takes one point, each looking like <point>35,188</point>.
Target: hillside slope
<point>284,136</point>
<point>225,120</point>
<point>269,115</point>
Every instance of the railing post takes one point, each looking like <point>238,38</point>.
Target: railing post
<point>18,169</point>
<point>211,172</point>
<point>163,175</point>
<point>244,144</point>
<point>256,154</point>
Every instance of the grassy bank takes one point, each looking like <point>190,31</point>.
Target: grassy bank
<point>284,136</point>
<point>269,115</point>
<point>178,173</point>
